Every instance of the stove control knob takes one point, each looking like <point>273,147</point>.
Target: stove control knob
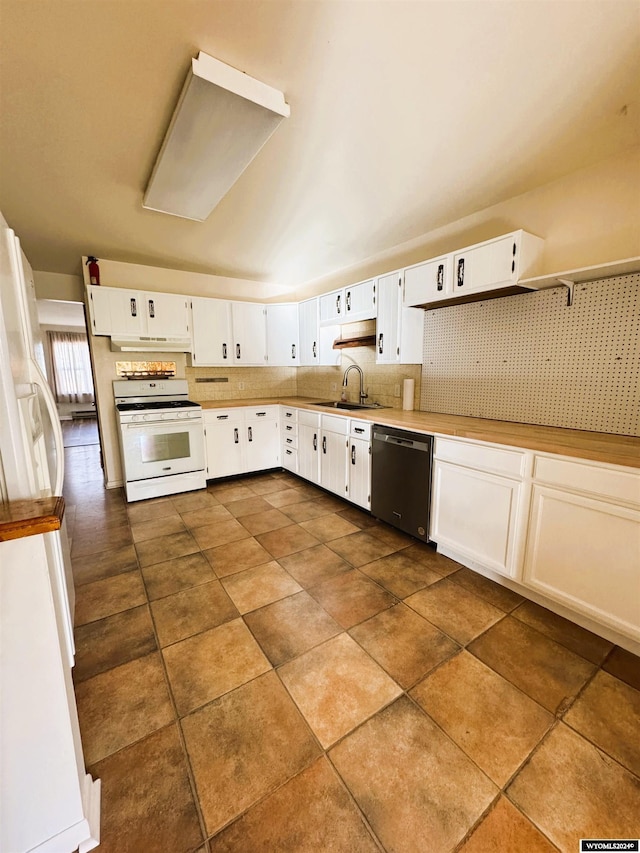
<point>183,415</point>
<point>147,417</point>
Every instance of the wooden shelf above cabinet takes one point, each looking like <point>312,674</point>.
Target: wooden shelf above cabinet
<point>360,341</point>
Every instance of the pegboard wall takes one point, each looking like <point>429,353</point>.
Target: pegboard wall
<point>532,359</point>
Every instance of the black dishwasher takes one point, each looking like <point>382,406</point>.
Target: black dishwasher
<point>401,479</point>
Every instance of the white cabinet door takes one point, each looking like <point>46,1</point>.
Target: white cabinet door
<point>388,323</point>
<point>583,552</point>
<point>489,264</point>
<point>331,308</point>
<point>212,339</point>
<point>167,315</point>
<point>333,463</point>
<point>115,311</point>
<point>262,443</point>
<point>360,301</point>
<point>224,448</point>
<point>475,513</point>
<point>308,447</point>
<point>249,333</point>
<point>283,348</point>
<point>308,328</point>
<point>428,282</point>
<point>360,472</point>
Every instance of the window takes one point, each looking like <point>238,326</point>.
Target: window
<point>71,367</point>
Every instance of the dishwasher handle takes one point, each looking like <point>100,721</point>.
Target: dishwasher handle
<point>413,443</point>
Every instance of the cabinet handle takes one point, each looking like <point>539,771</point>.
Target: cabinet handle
<point>513,262</point>
<point>289,440</point>
<point>460,273</point>
<point>348,301</point>
<point>236,437</point>
<point>288,452</point>
<point>440,277</point>
<point>358,429</point>
<point>222,417</point>
<point>338,304</point>
<point>288,415</point>
<point>152,308</point>
<point>380,343</point>
<point>250,434</point>
<point>134,308</point>
<point>315,350</point>
<point>353,454</point>
<point>260,414</point>
<point>237,350</point>
<point>374,294</point>
<point>324,443</point>
<point>293,350</point>
<point>224,350</point>
<point>315,441</point>
<point>288,427</point>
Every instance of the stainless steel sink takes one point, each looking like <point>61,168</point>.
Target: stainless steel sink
<point>332,404</point>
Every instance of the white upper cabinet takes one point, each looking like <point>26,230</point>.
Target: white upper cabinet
<point>398,330</point>
<point>332,308</point>
<point>212,338</point>
<point>495,264</point>
<point>116,311</point>
<point>283,347</point>
<point>249,333</point>
<point>429,282</point>
<point>360,301</point>
<point>316,342</point>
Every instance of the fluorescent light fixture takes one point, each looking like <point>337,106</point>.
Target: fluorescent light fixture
<point>223,118</point>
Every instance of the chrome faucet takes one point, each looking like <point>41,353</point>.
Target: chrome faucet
<point>363,396</point>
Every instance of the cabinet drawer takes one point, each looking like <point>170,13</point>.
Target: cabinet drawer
<point>360,429</point>
<point>289,415</point>
<point>335,423</point>
<point>290,459</point>
<point>289,429</point>
<point>617,484</point>
<point>290,441</point>
<point>311,419</point>
<point>213,416</point>
<point>481,457</point>
<point>261,413</point>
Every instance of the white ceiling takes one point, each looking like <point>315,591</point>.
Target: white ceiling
<point>405,116</point>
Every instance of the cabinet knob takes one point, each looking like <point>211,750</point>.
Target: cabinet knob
<point>460,272</point>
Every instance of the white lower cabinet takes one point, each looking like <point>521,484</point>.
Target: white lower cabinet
<point>583,543</point>
<point>241,440</point>
<point>308,446</point>
<point>360,470</point>
<point>333,454</point>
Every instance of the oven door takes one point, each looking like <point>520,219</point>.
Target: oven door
<point>161,449</point>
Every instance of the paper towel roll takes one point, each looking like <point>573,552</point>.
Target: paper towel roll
<point>408,388</point>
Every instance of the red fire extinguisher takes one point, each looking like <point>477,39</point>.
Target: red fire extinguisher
<point>94,270</point>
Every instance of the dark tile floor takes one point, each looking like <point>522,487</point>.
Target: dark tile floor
<point>261,667</point>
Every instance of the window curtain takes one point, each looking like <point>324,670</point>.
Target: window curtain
<point>71,367</point>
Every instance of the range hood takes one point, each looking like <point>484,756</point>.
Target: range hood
<point>132,343</point>
<point>222,120</point>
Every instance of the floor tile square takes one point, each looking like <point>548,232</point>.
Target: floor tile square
<point>175,575</point>
<point>286,540</point>
<point>391,536</point>
<point>359,517</point>
<point>165,548</point>
<point>416,788</point>
<point>260,585</point>
<point>94,567</point>
<point>360,548</point>
<point>328,527</point>
<point>506,829</point>
<point>286,497</point>
<point>624,666</point>
<point>208,515</point>
<point>337,686</point>
<point>312,811</point>
<point>496,594</point>
<point>263,522</point>
<point>400,574</point>
<point>314,565</point>
<point>267,485</point>
<point>572,790</point>
<point>144,530</point>
<point>109,642</point>
<point>403,643</point>
<point>205,666</point>
<point>191,611</point>
<point>142,511</point>
<point>607,712</point>
<point>306,510</point>
<point>543,669</point>
<point>455,611</point>
<point>193,500</point>
<point>111,595</point>
<point>248,506</point>
<point>479,709</point>
<point>290,627</point>
<point>100,540</point>
<point>219,533</point>
<point>233,764</point>
<point>237,556</point>
<point>123,705</point>
<point>351,597</point>
<point>568,634</point>
<point>228,491</point>
<point>428,556</point>
<point>146,799</point>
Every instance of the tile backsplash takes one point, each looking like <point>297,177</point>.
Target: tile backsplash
<point>243,382</point>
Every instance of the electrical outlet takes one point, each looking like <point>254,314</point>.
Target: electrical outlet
<point>241,387</point>
<point>396,390</point>
<point>334,386</point>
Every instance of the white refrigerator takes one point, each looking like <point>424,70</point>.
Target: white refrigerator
<point>48,803</point>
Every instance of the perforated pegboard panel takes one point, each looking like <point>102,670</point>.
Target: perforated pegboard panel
<point>530,358</point>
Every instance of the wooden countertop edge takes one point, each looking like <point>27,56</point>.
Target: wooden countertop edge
<point>594,446</point>
<point>20,519</point>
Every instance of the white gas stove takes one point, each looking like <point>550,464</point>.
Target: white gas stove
<point>161,437</point>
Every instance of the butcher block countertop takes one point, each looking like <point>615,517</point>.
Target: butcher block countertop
<point>29,518</point>
<point>597,446</point>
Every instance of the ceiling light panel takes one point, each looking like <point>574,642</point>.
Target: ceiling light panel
<point>223,118</point>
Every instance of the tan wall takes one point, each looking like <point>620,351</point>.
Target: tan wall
<point>58,286</point>
<point>588,217</point>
